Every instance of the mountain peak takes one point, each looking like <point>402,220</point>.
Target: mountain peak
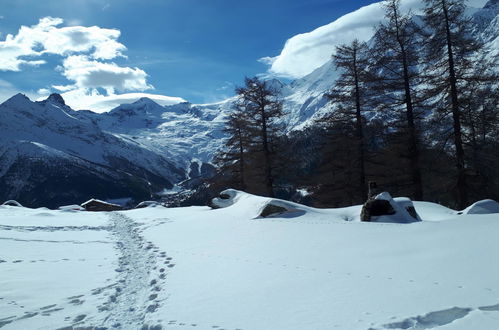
<point>56,98</point>
<point>146,101</point>
<point>17,99</point>
<point>19,96</point>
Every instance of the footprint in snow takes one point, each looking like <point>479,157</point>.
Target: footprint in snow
<point>493,308</point>
<point>430,320</point>
<point>47,307</point>
<point>76,302</point>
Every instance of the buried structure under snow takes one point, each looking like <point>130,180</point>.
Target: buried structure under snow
<point>98,205</point>
<point>485,206</point>
<point>12,203</point>
<point>384,208</point>
<point>267,207</point>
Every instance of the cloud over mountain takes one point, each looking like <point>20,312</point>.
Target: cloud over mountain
<point>47,38</point>
<point>305,52</point>
<point>85,53</point>
<point>87,73</point>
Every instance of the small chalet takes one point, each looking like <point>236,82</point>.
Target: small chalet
<point>98,205</point>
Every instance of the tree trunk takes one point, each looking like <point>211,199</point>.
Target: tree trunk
<point>241,160</point>
<point>266,155</point>
<point>462,196</point>
<point>360,133</point>
<point>413,137</point>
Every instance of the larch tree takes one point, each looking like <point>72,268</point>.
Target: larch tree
<point>232,159</point>
<point>262,108</point>
<point>396,75</point>
<point>349,95</point>
<point>450,53</point>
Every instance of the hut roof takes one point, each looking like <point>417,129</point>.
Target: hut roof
<point>98,201</point>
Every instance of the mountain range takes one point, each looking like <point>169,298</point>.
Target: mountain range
<point>51,154</point>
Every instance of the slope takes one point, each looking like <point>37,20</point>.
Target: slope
<point>229,269</point>
<point>51,155</point>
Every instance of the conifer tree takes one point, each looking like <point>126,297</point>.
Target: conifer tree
<point>349,95</point>
<point>232,159</point>
<point>480,122</point>
<point>395,68</point>
<point>450,52</point>
<point>262,107</point>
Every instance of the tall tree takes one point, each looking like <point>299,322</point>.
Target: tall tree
<point>450,50</point>
<point>232,159</point>
<point>262,107</point>
<point>396,74</point>
<point>480,122</point>
<point>349,94</point>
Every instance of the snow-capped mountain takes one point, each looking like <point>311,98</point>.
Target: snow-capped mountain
<point>50,154</point>
<point>188,132</point>
<point>184,132</point>
<point>144,141</point>
<point>304,98</point>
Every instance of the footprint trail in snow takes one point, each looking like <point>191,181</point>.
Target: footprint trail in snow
<point>137,291</point>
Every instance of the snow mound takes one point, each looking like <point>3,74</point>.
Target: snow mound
<point>12,203</point>
<point>485,206</point>
<point>226,198</point>
<point>396,210</point>
<point>148,204</point>
<point>282,209</point>
<point>257,206</point>
<point>434,212</point>
<point>71,208</point>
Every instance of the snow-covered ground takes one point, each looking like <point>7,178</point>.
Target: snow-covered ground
<point>198,268</point>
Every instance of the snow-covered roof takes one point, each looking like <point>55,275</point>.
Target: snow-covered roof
<point>93,200</point>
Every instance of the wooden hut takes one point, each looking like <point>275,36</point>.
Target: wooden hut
<point>98,205</point>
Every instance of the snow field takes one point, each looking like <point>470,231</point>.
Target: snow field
<point>200,268</point>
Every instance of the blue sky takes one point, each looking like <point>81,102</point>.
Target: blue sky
<point>194,49</point>
<point>197,50</point>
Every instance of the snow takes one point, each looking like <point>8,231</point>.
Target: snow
<point>12,203</point>
<point>482,207</point>
<point>98,201</point>
<point>184,132</point>
<point>305,52</point>
<point>52,132</point>
<point>228,268</point>
<point>400,205</point>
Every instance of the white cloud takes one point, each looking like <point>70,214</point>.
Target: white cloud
<point>88,73</point>
<point>62,88</point>
<point>43,91</point>
<point>85,54</point>
<point>91,99</point>
<point>306,52</point>
<point>74,22</point>
<point>47,38</point>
